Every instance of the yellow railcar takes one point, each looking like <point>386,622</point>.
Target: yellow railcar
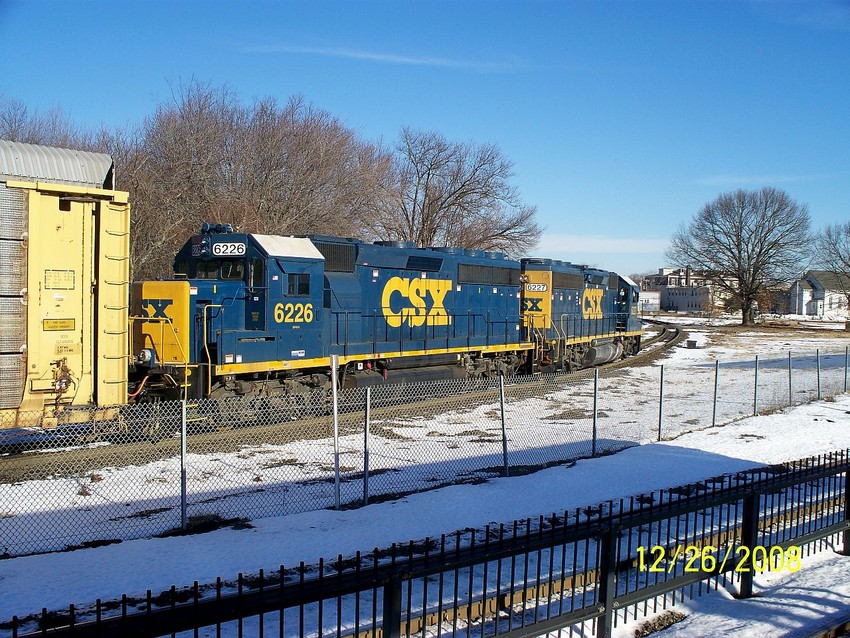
<point>64,255</point>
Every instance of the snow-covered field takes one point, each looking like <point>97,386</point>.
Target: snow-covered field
<point>53,580</point>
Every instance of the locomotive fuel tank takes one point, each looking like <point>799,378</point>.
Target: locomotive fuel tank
<point>600,353</point>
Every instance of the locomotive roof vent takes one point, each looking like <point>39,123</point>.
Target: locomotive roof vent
<point>396,244</point>
<point>451,250</point>
<point>469,252</point>
<point>494,255</point>
<point>215,229</point>
<point>332,239</point>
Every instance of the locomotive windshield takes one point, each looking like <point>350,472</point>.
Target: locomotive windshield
<point>224,269</point>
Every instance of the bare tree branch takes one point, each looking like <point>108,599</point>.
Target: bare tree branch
<point>452,194</point>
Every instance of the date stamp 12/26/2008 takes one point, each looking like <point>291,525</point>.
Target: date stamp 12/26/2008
<point>708,558</point>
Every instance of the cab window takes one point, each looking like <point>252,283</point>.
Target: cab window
<point>206,270</point>
<point>299,285</point>
<point>232,269</point>
<point>255,273</point>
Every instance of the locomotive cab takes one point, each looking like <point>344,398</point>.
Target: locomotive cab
<point>239,307</point>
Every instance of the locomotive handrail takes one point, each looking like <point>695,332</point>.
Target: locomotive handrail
<point>206,344</point>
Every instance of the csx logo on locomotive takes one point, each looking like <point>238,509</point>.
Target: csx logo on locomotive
<point>591,303</point>
<point>532,305</point>
<point>407,301</point>
<point>155,308</point>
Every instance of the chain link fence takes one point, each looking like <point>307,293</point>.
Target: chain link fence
<point>104,475</point>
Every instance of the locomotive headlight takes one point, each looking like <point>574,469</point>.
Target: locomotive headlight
<point>147,357</point>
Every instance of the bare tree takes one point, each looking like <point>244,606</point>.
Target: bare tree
<point>832,245</point>
<point>745,241</point>
<point>265,168</point>
<point>19,123</point>
<point>452,194</point>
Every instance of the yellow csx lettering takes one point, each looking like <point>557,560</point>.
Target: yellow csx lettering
<point>414,310</point>
<point>591,303</point>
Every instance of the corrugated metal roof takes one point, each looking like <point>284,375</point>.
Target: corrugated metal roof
<point>59,165</point>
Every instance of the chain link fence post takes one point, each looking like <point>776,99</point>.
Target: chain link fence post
<point>714,402</point>
<point>660,402</point>
<point>366,446</point>
<point>756,389</point>
<point>790,393</point>
<point>506,470</point>
<point>335,392</point>
<point>596,411</point>
<point>817,359</point>
<point>184,498</point>
<point>846,357</point>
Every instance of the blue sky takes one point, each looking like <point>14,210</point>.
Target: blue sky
<point>622,118</point>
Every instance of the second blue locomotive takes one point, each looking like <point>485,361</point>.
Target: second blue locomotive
<point>251,314</point>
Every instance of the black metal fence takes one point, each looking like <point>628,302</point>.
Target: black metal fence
<point>581,571</point>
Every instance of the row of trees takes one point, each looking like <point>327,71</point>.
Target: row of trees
<point>289,169</point>
<point>295,169</point>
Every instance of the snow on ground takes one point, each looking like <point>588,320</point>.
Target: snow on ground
<point>787,602</point>
<point>54,580</point>
<point>414,451</point>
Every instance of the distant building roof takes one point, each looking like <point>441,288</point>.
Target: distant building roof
<point>828,280</point>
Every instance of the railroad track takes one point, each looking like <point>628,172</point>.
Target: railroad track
<point>42,464</point>
<point>655,347</point>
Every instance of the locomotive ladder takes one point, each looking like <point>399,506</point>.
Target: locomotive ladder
<point>556,346</point>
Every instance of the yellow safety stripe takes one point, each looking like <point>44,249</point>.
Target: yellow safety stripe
<point>300,364</point>
<point>297,364</point>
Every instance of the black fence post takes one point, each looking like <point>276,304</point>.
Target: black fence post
<point>846,535</point>
<point>607,582</point>
<point>749,539</point>
<point>392,607</point>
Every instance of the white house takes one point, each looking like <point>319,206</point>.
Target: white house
<point>819,293</point>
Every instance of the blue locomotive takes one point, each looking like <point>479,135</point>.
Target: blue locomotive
<point>251,314</point>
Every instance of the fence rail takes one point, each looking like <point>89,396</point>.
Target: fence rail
<point>587,568</point>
